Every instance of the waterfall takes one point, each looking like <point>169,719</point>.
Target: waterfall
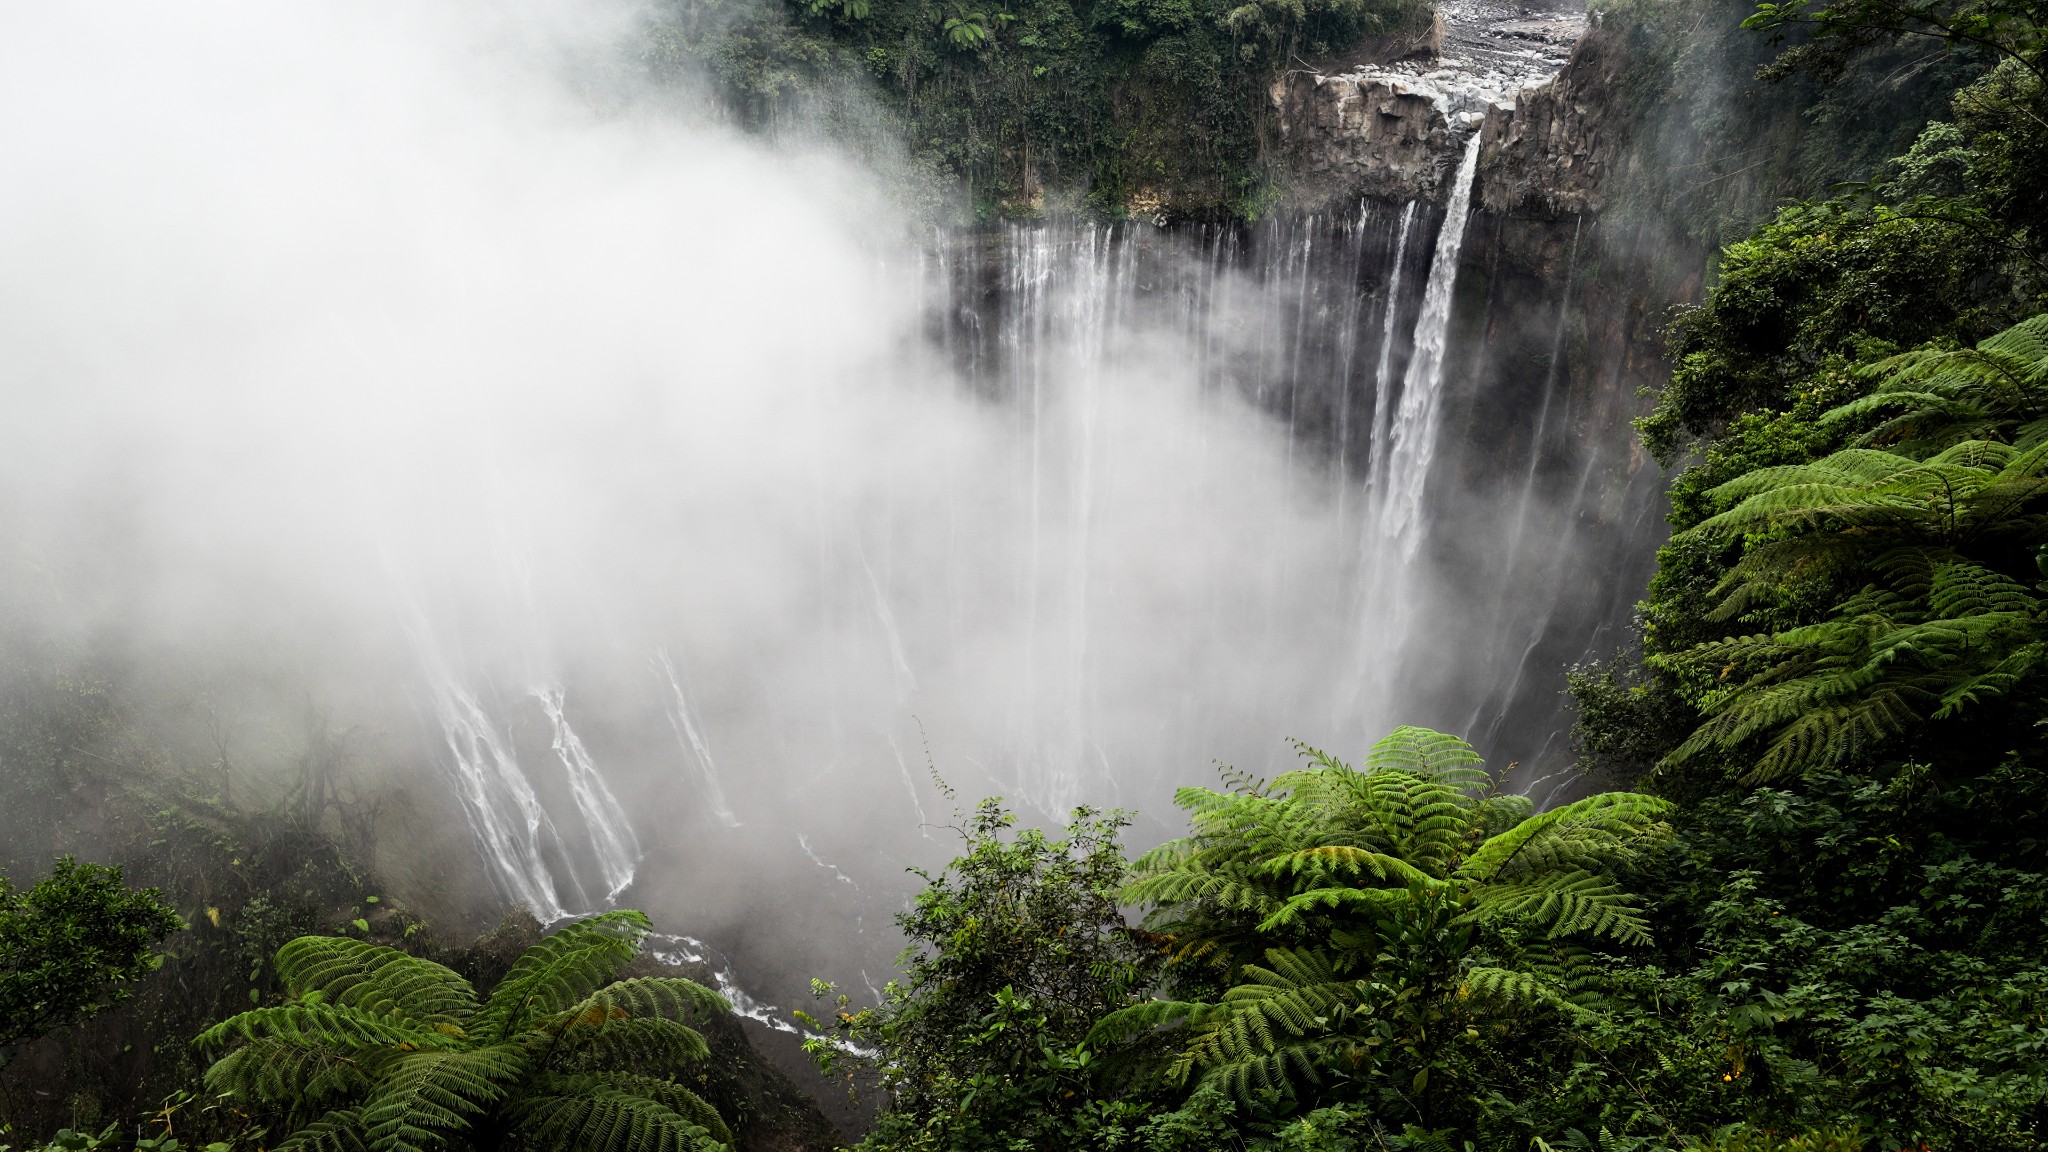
<point>690,734</point>
<point>906,680</point>
<point>511,827</point>
<point>1067,289</point>
<point>611,836</point>
<point>1405,429</point>
<point>1412,443</point>
<point>1383,394</point>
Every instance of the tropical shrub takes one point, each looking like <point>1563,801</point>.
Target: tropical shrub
<point>1016,949</point>
<point>72,946</point>
<point>381,1051</point>
<point>1946,550</point>
<point>1373,935</point>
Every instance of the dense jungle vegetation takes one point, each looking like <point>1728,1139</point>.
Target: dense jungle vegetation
<point>1029,104</point>
<point>1806,909</point>
<point>1816,917</point>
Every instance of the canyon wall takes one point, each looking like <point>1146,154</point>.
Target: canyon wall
<point>1547,512</point>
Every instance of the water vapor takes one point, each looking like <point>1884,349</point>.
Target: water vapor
<point>595,461</point>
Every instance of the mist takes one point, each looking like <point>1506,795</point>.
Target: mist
<point>359,359</point>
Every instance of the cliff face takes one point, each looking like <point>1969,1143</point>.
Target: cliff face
<point>1552,151</point>
<point>1369,133</point>
<point>1388,133</point>
<point>1556,334</point>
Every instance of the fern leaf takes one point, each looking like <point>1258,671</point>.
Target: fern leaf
<point>1151,1016</point>
<point>426,1099</point>
<point>1435,756</point>
<point>1514,987</point>
<point>1591,831</point>
<point>560,970</point>
<point>278,1071</point>
<point>318,1023</point>
<point>338,1131</point>
<point>606,1119</point>
<point>374,979</point>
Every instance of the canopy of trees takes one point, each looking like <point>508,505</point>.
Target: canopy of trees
<point>72,946</point>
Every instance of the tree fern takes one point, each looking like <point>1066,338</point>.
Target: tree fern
<point>377,1051</point>
<point>1939,614</point>
<point>1930,398</point>
<point>375,980</point>
<point>562,969</point>
<point>1337,902</point>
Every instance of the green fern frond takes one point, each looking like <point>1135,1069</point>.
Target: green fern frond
<point>374,979</point>
<point>1514,987</point>
<point>275,1070</point>
<point>606,1037</point>
<point>1280,1072</point>
<point>1566,904</point>
<point>610,1120</point>
<point>668,997</point>
<point>1151,1016</point>
<point>1436,756</point>
<point>317,1023</point>
<point>1945,395</point>
<point>425,1099</point>
<point>1297,912</point>
<point>403,1059</point>
<point>1589,832</point>
<point>687,1105</point>
<point>560,970</point>
<point>338,1131</point>
<point>1332,861</point>
<point>1572,969</point>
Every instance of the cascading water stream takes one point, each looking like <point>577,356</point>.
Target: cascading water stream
<point>1412,442</point>
<point>1497,702</point>
<point>1383,392</point>
<point>1067,292</point>
<point>690,734</point>
<point>1400,468</point>
<point>511,826</point>
<point>611,836</point>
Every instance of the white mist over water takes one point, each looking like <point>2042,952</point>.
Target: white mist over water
<point>294,298</point>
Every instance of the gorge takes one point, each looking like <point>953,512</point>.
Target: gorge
<point>500,458</point>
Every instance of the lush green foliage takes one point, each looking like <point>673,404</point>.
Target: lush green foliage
<point>1153,103</point>
<point>1016,950</point>
<point>1842,940</point>
<point>72,946</point>
<point>1936,557</point>
<point>1843,645</point>
<point>1362,923</point>
<point>378,1050</point>
<point>1841,28</point>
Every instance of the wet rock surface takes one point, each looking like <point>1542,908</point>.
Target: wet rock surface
<point>1392,127</point>
<point>1518,42</point>
<point>1551,151</point>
